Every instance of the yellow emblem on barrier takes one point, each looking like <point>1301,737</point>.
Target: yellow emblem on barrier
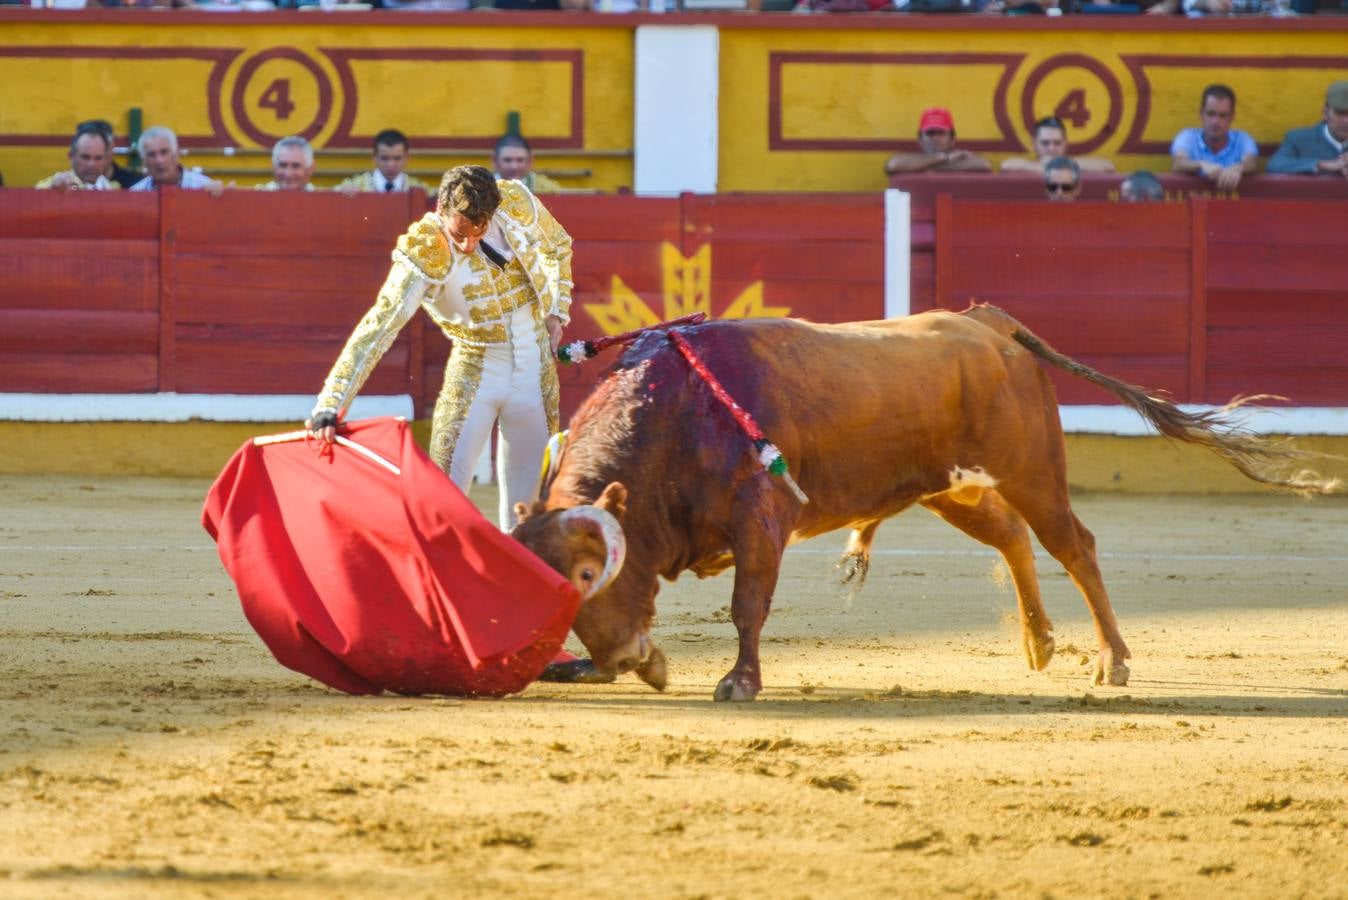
<point>686,288</point>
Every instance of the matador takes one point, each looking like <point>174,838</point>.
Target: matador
<point>492,268</point>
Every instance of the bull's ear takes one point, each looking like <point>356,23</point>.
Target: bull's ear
<point>525,510</point>
<point>614,500</point>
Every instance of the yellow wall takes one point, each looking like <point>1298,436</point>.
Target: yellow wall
<point>861,90</point>
<point>446,98</point>
<point>200,450</point>
<point>872,84</point>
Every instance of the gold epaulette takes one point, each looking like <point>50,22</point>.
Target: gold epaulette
<point>517,202</point>
<point>425,244</point>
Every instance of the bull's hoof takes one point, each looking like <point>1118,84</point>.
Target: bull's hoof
<point>653,671</point>
<point>576,671</point>
<point>854,567</point>
<point>1038,649</point>
<point>735,689</point>
<point>1114,673</point>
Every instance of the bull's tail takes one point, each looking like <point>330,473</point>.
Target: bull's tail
<point>1258,458</point>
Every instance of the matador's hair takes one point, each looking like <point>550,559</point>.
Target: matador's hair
<point>471,192</point>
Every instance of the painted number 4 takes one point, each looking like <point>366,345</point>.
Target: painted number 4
<point>277,98</point>
<point>1073,108</point>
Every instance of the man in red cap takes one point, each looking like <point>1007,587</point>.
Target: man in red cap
<point>936,141</point>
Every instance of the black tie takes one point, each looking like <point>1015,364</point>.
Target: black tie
<point>388,185</point>
<point>492,254</point>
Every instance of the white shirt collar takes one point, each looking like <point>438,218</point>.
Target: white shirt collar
<point>399,183</point>
<point>1337,145</point>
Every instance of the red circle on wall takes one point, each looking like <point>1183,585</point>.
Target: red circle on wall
<point>245,77</point>
<point>1097,69</point>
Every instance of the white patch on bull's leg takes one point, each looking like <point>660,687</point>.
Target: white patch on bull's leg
<point>967,485</point>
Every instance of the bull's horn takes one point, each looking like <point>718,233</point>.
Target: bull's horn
<point>615,543</point>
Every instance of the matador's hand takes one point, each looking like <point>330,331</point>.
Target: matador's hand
<point>323,426</point>
<point>554,326</point>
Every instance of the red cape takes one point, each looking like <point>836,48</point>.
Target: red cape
<point>370,581</point>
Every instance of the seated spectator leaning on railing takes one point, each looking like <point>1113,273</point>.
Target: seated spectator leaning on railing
<point>513,158</point>
<point>936,148</point>
<point>158,146</point>
<point>1216,151</point>
<point>1062,180</point>
<point>1050,141</point>
<point>392,153</point>
<point>114,171</point>
<point>292,165</point>
<point>1319,149</point>
<point>1141,187</point>
<point>89,152</point>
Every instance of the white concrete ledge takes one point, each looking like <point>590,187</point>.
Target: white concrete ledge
<point>185,407</point>
<point>1115,420</point>
<point>1120,420</point>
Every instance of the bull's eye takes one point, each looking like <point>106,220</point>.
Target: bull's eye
<point>587,575</point>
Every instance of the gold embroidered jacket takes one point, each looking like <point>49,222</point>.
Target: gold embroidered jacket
<point>366,181</point>
<point>456,289</point>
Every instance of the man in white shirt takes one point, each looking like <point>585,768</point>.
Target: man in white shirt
<point>158,148</point>
<point>89,154</point>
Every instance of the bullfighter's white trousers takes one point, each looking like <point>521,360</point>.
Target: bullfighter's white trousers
<point>509,392</point>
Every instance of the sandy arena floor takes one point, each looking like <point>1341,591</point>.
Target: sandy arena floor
<point>152,748</point>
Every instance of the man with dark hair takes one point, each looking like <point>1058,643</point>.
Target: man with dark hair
<point>514,158</point>
<point>392,153</point>
<point>1216,151</point>
<point>1141,187</point>
<point>1062,180</point>
<point>1050,140</point>
<point>936,148</point>
<point>492,268</point>
<point>89,153</point>
<point>115,171</point>
<point>1319,149</point>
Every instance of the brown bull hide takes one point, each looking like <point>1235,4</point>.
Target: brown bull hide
<point>950,411</point>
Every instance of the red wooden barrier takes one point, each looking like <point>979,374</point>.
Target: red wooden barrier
<point>1205,299</point>
<point>255,293</point>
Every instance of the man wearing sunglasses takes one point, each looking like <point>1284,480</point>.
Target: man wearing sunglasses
<point>1062,179</point>
<point>936,146</point>
<point>492,268</point>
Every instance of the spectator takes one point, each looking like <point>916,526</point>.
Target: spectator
<point>1062,179</point>
<point>513,158</point>
<point>1320,149</point>
<point>158,147</point>
<point>1141,187</point>
<point>392,153</point>
<point>114,172</point>
<point>88,155</point>
<point>936,146</point>
<point>1216,151</point>
<point>1050,141</point>
<point>292,165</point>
<point>1223,7</point>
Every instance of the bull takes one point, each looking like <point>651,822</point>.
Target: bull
<point>951,411</point>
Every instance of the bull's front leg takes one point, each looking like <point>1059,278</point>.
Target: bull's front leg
<point>762,522</point>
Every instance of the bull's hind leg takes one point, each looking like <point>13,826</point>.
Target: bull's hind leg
<point>856,558</point>
<point>1049,512</point>
<point>992,521</point>
<point>763,518</point>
